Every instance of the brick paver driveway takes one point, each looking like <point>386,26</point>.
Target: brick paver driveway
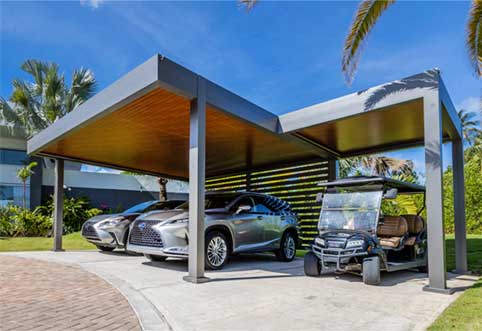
<point>38,295</point>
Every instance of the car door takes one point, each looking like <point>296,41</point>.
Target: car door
<point>248,226</point>
<point>270,220</point>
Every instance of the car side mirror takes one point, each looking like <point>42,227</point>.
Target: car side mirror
<point>243,209</point>
<point>319,197</point>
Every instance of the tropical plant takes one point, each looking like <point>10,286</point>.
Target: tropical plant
<point>18,221</point>
<point>24,174</point>
<point>76,212</point>
<point>470,125</point>
<point>367,15</point>
<point>375,165</point>
<point>37,103</point>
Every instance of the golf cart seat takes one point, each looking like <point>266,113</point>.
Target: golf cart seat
<point>416,225</point>
<point>392,230</point>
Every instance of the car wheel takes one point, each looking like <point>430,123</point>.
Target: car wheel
<point>371,270</point>
<point>217,250</point>
<point>287,251</point>
<point>155,258</point>
<point>312,265</point>
<point>105,248</point>
<point>423,269</point>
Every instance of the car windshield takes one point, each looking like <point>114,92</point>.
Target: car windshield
<point>212,202</point>
<point>140,208</point>
<point>350,211</point>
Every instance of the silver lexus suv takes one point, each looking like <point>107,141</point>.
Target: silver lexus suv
<point>110,231</point>
<point>234,223</point>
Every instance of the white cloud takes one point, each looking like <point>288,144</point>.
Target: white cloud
<point>470,104</point>
<point>91,3</point>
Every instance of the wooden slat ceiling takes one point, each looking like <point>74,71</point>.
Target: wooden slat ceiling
<point>397,125</point>
<point>151,134</point>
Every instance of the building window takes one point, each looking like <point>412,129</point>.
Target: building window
<point>11,156</point>
<point>13,194</point>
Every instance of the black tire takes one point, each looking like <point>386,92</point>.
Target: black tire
<point>371,270</point>
<point>216,252</point>
<point>312,265</point>
<point>287,250</point>
<point>155,258</point>
<point>423,269</point>
<point>128,252</point>
<point>105,248</point>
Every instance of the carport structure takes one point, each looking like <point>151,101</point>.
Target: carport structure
<point>165,120</point>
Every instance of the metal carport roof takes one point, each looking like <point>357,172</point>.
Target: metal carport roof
<point>163,119</point>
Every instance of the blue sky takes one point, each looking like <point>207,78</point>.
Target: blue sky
<point>282,55</point>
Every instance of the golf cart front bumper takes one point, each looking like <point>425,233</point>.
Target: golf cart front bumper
<point>338,259</point>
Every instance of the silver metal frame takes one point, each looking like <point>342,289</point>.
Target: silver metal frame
<point>439,114</point>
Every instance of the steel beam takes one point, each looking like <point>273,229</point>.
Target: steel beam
<point>197,174</point>
<point>432,111</point>
<point>459,206</point>
<point>58,204</point>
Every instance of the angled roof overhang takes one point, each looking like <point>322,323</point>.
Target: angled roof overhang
<point>141,123</point>
<point>385,117</point>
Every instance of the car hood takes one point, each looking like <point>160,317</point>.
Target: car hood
<point>99,218</point>
<point>160,215</point>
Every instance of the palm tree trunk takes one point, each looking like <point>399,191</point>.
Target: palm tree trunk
<point>162,189</point>
<point>24,194</point>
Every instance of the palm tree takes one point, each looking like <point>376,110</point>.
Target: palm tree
<point>24,174</point>
<point>36,104</point>
<point>470,126</point>
<point>367,15</point>
<point>375,165</point>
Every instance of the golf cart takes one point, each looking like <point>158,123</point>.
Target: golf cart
<point>355,236</point>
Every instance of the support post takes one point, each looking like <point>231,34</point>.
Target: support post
<point>58,204</point>
<point>434,194</point>
<point>459,207</point>
<point>332,169</point>
<point>197,160</point>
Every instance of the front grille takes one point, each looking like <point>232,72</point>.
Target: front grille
<point>142,234</point>
<point>89,231</point>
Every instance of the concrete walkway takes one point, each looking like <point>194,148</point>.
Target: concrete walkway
<point>259,293</point>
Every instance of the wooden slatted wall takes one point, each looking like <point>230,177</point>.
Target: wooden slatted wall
<point>296,184</point>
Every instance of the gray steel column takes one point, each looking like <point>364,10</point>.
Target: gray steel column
<point>332,169</point>
<point>58,204</point>
<point>459,207</point>
<point>434,194</point>
<point>197,161</point>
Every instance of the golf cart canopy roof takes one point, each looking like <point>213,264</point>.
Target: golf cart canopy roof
<point>361,182</point>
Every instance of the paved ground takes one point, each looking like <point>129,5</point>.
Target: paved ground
<point>39,295</point>
<point>259,293</point>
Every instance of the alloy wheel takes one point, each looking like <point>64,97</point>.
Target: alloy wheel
<point>289,247</point>
<point>217,251</point>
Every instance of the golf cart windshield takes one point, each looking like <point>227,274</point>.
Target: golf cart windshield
<point>350,211</point>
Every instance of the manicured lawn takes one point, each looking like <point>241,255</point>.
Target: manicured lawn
<point>73,241</point>
<point>464,314</point>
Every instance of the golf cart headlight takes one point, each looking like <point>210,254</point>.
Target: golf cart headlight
<point>354,243</point>
<point>320,242</point>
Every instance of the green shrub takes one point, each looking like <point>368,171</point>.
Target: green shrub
<point>17,221</point>
<point>76,212</point>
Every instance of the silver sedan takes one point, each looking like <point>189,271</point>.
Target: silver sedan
<point>234,223</point>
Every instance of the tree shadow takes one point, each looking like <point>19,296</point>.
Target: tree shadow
<point>427,79</point>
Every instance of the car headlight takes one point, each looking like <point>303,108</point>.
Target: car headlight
<point>320,241</point>
<point>180,221</point>
<point>355,243</point>
<point>112,222</point>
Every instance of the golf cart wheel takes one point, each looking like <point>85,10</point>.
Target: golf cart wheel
<point>287,250</point>
<point>217,250</point>
<point>371,270</point>
<point>105,248</point>
<point>155,258</point>
<point>312,265</point>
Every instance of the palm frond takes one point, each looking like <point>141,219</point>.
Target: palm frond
<point>474,36</point>
<point>365,19</point>
<point>249,4</point>
<point>470,125</point>
<point>82,88</point>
